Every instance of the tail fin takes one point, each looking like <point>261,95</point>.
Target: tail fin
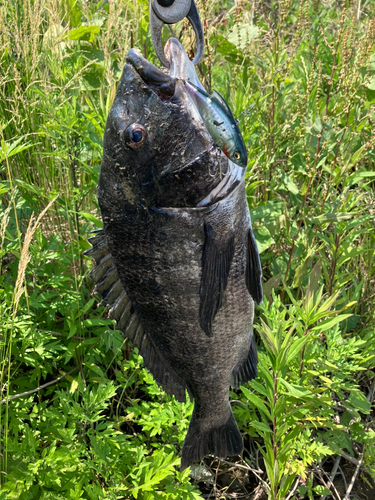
<point>222,441</point>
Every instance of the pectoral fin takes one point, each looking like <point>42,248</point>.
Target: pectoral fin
<point>217,257</point>
<point>253,274</point>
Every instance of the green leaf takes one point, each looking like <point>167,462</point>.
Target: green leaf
<point>97,322</point>
<point>87,33</point>
<point>358,176</point>
<point>261,427</point>
<point>269,285</point>
<point>242,34</point>
<point>297,345</point>
<point>259,388</point>
<point>91,81</point>
<point>9,149</point>
<point>359,401</point>
<point>73,386</point>
<point>263,238</point>
<point>314,278</point>
<point>288,181</point>
<point>332,217</point>
<point>268,338</point>
<point>94,55</point>
<point>257,402</point>
<point>329,323</point>
<point>286,484</point>
<point>226,49</point>
<point>356,156</point>
<point>270,210</point>
<point>294,390</point>
<point>321,490</point>
<point>371,83</point>
<point>91,218</point>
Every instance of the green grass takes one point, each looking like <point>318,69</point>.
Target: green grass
<point>80,417</point>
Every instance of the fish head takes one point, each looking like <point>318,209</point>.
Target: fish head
<point>156,150</point>
<point>235,149</point>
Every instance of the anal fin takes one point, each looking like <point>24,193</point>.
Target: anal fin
<point>247,370</point>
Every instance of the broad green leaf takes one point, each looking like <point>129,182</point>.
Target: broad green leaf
<point>257,402</point>
<point>329,323</point>
<point>350,253</point>
<point>288,181</point>
<point>270,210</point>
<point>314,277</point>
<point>269,285</point>
<point>371,83</point>
<point>322,490</point>
<point>94,55</point>
<point>263,238</point>
<point>92,218</point>
<point>296,391</point>
<point>242,34</point>
<point>332,217</point>
<point>299,274</point>
<point>261,427</point>
<point>297,345</point>
<point>358,176</point>
<point>226,49</point>
<point>73,386</point>
<point>359,401</point>
<point>87,33</point>
<point>91,81</point>
<point>356,156</point>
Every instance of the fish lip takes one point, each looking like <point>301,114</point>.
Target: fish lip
<point>159,82</point>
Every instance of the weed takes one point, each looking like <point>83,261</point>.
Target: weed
<point>80,417</point>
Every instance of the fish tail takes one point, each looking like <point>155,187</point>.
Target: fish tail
<point>222,441</point>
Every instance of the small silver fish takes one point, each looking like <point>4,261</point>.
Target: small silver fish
<point>220,123</point>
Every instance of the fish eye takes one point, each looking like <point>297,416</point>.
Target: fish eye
<point>135,136</point>
<point>236,155</point>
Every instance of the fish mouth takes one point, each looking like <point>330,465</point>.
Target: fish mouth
<point>161,83</point>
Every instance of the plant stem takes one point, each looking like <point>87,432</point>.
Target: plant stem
<point>27,393</point>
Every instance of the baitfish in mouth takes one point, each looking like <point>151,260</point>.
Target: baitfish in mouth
<point>177,262</point>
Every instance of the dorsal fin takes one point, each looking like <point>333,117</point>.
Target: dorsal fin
<point>222,102</point>
<point>253,274</point>
<point>114,296</point>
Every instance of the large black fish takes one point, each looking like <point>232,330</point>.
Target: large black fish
<point>176,259</point>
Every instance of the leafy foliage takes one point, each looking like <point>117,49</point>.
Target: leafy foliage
<point>80,417</point>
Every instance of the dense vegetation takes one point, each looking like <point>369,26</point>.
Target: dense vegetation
<point>80,417</point>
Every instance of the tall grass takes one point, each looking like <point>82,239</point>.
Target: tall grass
<point>80,418</point>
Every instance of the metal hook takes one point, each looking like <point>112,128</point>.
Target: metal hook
<point>171,12</point>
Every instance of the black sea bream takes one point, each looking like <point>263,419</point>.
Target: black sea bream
<point>177,261</point>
